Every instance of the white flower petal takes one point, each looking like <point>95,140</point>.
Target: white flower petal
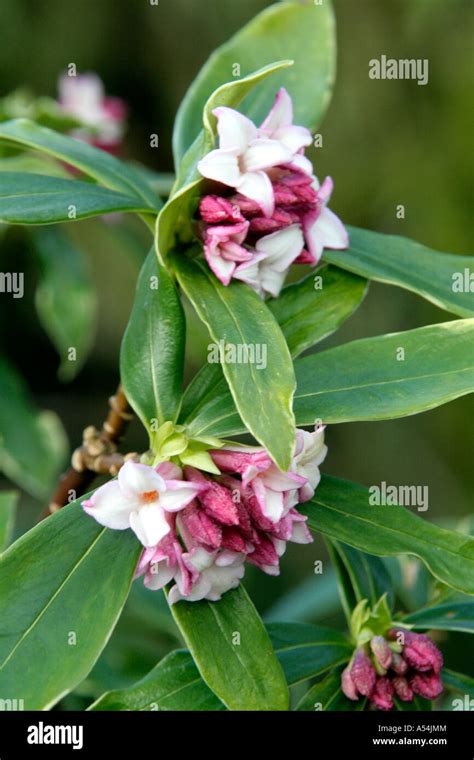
<point>149,524</point>
<point>272,281</point>
<point>222,268</point>
<point>258,187</point>
<point>221,166</point>
<point>235,130</point>
<point>281,248</point>
<point>265,154</point>
<point>271,502</point>
<point>294,138</point>
<point>301,163</point>
<point>136,479</point>
<point>162,574</point>
<point>175,499</point>
<point>281,113</point>
<point>110,507</point>
<point>332,230</point>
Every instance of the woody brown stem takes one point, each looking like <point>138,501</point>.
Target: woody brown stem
<point>97,455</point>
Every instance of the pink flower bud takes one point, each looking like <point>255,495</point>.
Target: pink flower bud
<point>382,651</point>
<point>347,684</point>
<point>362,673</point>
<point>427,685</point>
<point>199,527</point>
<point>216,499</point>
<point>402,688</point>
<point>233,540</point>
<point>421,653</point>
<point>382,695</point>
<point>216,210</point>
<point>399,665</point>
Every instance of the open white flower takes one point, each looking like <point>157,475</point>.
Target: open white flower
<point>140,499</point>
<point>266,272</point>
<point>219,571</point>
<point>243,157</point>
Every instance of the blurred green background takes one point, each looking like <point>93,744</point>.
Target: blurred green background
<point>385,143</point>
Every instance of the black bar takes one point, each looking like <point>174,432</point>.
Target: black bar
<point>240,734</point>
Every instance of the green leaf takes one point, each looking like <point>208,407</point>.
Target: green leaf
<point>173,684</point>
<point>33,444</point>
<point>361,576</point>
<point>367,380</point>
<point>175,220</point>
<point>396,260</point>
<point>458,682</point>
<point>245,675</point>
<point>364,380</point>
<point>303,32</point>
<point>8,504</point>
<point>455,615</point>
<point>341,510</point>
<point>65,300</point>
<point>152,354</point>
<point>236,316</point>
<point>72,576</point>
<point>306,650</point>
<point>307,314</point>
<point>36,199</point>
<point>327,695</point>
<point>313,599</point>
<point>96,163</point>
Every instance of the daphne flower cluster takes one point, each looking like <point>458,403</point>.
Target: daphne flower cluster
<point>268,210</point>
<point>402,664</point>
<point>103,117</point>
<point>198,530</point>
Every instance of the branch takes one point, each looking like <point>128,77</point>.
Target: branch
<point>97,455</point>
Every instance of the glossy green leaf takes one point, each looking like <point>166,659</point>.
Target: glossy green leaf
<point>368,379</point>
<point>236,316</point>
<point>152,355</point>
<point>302,32</point>
<point>305,314</point>
<point>233,652</point>
<point>174,684</point>
<point>454,615</point>
<point>72,577</point>
<point>341,510</point>
<point>175,223</point>
<point>399,261</point>
<point>65,299</point>
<point>96,163</point>
<point>33,445</point>
<point>327,696</point>
<point>305,650</point>
<point>313,599</point>
<point>8,504</point>
<point>459,682</point>
<point>361,576</point>
<point>313,308</point>
<point>36,199</point>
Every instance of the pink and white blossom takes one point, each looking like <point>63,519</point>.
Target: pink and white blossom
<point>140,499</point>
<point>310,452</point>
<point>83,97</point>
<point>265,272</point>
<point>243,158</point>
<point>279,213</point>
<point>217,572</point>
<point>322,228</point>
<point>223,248</point>
<point>278,125</point>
